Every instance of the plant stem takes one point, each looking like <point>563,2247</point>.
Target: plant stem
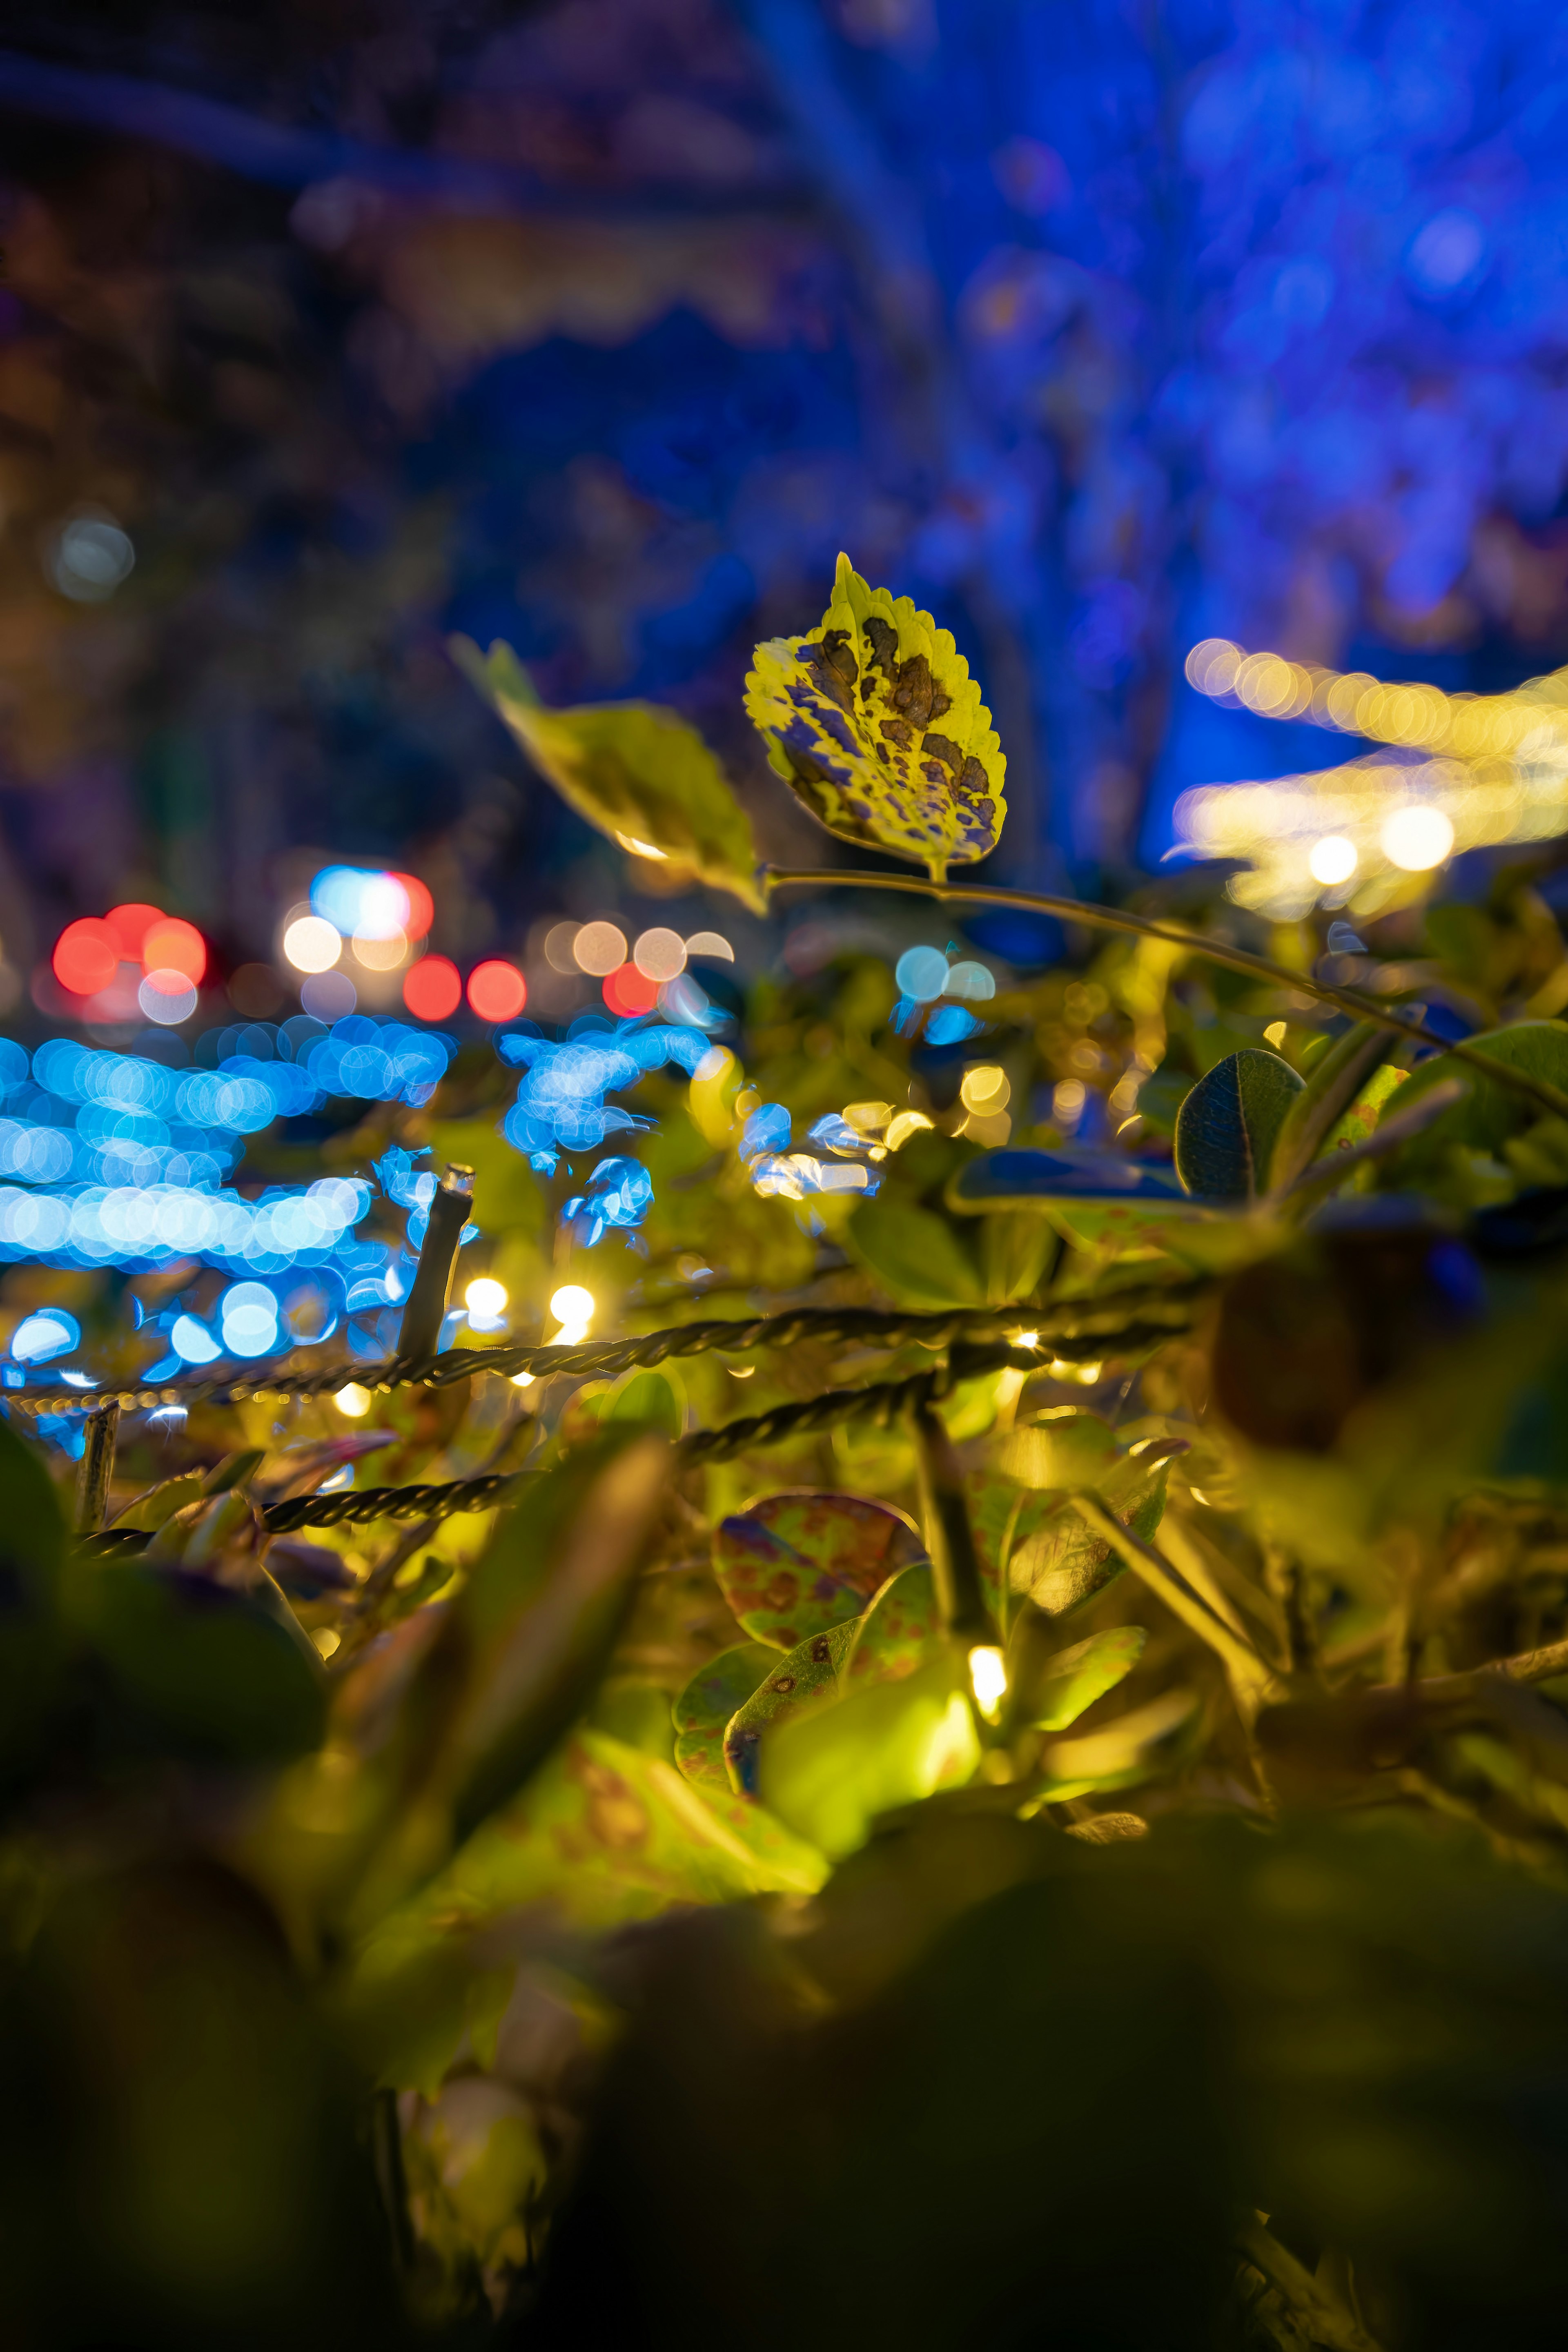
<point>419,1334</point>
<point>97,1467</point>
<point>1119,919</point>
<point>1251,1676</point>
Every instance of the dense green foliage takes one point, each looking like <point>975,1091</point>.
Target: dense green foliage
<point>1059,1864</point>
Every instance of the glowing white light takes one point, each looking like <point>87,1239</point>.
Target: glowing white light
<point>573,1307</point>
<point>988,1679</point>
<point>486,1299</point>
<point>313,944</point>
<point>1025,1339</point>
<point>1333,859</point>
<point>523,1380</point>
<point>636,849</point>
<point>1416,838</point>
<point>354,1400</point>
<point>167,997</point>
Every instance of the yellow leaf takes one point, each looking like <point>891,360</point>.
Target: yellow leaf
<point>637,772</point>
<point>876,723</point>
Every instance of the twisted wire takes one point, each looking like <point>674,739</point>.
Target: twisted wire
<point>1166,1308</point>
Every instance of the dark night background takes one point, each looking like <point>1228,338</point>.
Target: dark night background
<point>601,326</point>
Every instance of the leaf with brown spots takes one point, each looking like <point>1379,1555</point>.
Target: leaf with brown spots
<point>792,1564</point>
<point>873,720</point>
<point>808,1676</point>
<point>706,1705</point>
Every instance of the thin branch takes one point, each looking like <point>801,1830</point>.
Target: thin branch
<point>1117,919</point>
<point>1250,1672</point>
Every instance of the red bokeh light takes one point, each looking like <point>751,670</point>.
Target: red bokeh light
<point>496,990</point>
<point>131,924</point>
<point>170,945</point>
<point>628,991</point>
<point>86,957</point>
<point>421,906</point>
<point>431,988</point>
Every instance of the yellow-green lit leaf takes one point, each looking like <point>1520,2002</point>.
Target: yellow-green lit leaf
<point>915,1256</point>
<point>703,1710</point>
<point>638,772</point>
<point>874,720</point>
<point>1135,1747</point>
<point>1051,1690</point>
<point>827,1774</point>
<point>792,1565</point>
<point>1332,1085</point>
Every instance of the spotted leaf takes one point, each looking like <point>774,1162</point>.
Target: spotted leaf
<point>875,723</point>
<point>806,1676</point>
<point>792,1565</point>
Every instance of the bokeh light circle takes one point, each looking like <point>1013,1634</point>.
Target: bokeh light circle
<point>921,973</point>
<point>629,991</point>
<point>329,996</point>
<point>131,925</point>
<point>1417,837</point>
<point>86,957</point>
<point>659,954</point>
<point>1333,859</point>
<point>170,945</point>
<point>167,997</point>
<point>599,949</point>
<point>421,911</point>
<point>433,988</point>
<point>496,990</point>
<point>39,1337</point>
<point>311,943</point>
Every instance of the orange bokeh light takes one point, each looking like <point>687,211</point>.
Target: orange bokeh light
<point>432,988</point>
<point>170,945</point>
<point>628,991</point>
<point>86,957</point>
<point>130,925</point>
<point>496,990</point>
<point>421,906</point>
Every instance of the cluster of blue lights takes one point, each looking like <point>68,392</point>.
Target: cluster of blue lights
<point>928,984</point>
<point>779,1173</point>
<point>561,1102</point>
<point>619,1193</point>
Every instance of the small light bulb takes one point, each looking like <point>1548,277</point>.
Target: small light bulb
<point>988,1679</point>
<point>1025,1339</point>
<point>486,1298</point>
<point>571,1304</point>
<point>352,1401</point>
<point>523,1380</point>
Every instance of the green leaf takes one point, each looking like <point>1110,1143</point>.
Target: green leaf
<point>894,1637</point>
<point>829,1773</point>
<point>638,772</point>
<point>201,1670</point>
<point>874,720</point>
<point>1050,1689</point>
<point>915,1256</point>
<point>791,1565</point>
<point>1490,1114</point>
<point>1229,1125</point>
<point>1059,1563</point>
<point>703,1710</point>
<point>1099,1201</point>
<point>803,1679</point>
<point>602,1836</point>
<point>518,1654</point>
